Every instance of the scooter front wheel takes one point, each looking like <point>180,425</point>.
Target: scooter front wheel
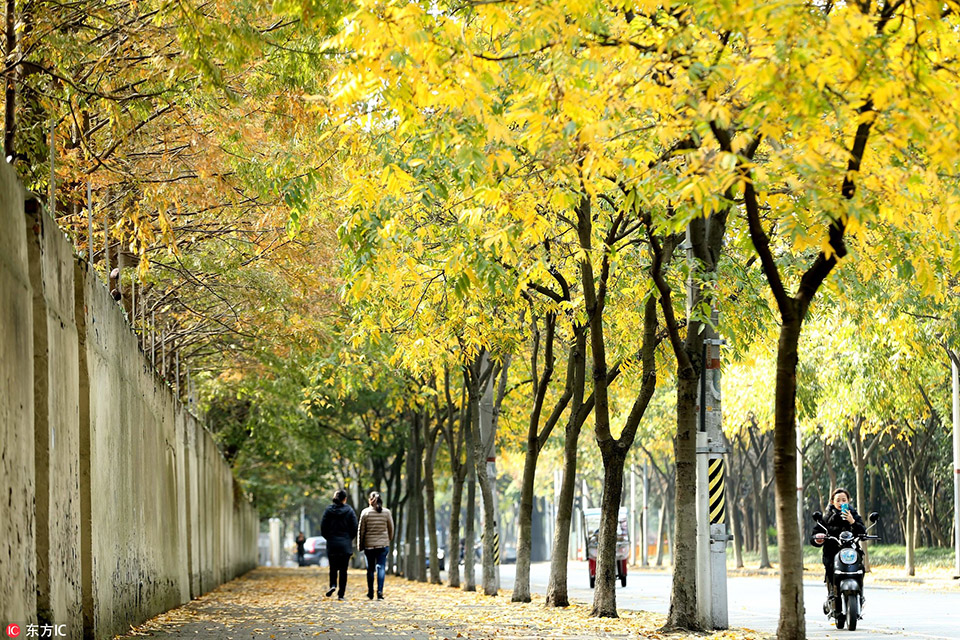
<point>853,610</point>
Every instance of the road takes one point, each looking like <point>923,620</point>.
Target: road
<point>889,612</point>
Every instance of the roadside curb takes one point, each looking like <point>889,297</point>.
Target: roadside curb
<point>816,573</point>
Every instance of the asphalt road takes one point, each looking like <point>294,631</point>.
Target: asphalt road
<point>754,602</point>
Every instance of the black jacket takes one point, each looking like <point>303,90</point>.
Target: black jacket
<point>835,523</point>
<point>339,527</point>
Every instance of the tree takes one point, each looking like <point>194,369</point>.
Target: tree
<point>832,204</point>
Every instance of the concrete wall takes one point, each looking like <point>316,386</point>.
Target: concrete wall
<point>18,562</point>
<point>116,503</point>
<point>56,423</point>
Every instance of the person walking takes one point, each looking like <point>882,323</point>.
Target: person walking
<point>301,541</point>
<point>339,527</point>
<point>374,536</point>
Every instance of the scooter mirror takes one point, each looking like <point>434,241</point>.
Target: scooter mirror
<point>874,516</point>
<point>817,516</point>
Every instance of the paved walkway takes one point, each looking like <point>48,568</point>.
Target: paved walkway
<point>289,603</point>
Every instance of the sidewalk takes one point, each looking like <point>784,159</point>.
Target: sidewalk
<point>289,603</point>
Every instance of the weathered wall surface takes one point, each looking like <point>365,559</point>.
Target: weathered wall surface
<point>136,552</point>
<point>56,423</point>
<point>116,503</point>
<point>18,565</point>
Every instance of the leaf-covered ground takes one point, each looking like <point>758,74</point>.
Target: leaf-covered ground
<point>289,603</point>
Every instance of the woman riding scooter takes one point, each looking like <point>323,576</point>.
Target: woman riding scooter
<point>840,516</point>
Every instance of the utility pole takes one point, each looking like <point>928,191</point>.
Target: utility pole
<point>633,514</point>
<point>711,493</point>
<point>712,533</point>
<point>646,512</point>
<point>954,359</point>
<point>488,439</point>
<point>800,482</point>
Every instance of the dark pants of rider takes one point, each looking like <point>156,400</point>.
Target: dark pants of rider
<point>338,571</point>
<point>828,577</point>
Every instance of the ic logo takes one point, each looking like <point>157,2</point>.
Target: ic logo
<point>13,630</point>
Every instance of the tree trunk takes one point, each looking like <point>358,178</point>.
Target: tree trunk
<point>535,442</point>
<point>489,516</point>
<point>453,546</point>
<point>662,526</point>
<point>410,532</point>
<point>792,624</point>
<point>412,509</point>
<point>10,97</point>
<point>735,524</point>
<point>763,502</point>
<point>828,463</point>
<point>858,456</point>
<point>430,492</point>
<point>683,596</point>
<point>469,562</point>
<point>557,587</point>
<point>605,592</point>
<point>672,550</point>
<point>910,532</point>
<point>455,438</point>
<point>521,588</point>
<point>421,565</point>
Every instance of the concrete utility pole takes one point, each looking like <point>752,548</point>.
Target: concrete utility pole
<point>633,514</point>
<point>275,547</point>
<point>956,462</point>
<point>488,438</point>
<point>646,513</point>
<point>800,482</point>
<point>711,492</point>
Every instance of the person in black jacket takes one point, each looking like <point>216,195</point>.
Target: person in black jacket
<point>339,527</point>
<point>840,516</point>
<point>301,542</point>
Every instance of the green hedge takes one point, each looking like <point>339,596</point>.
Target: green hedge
<point>880,555</point>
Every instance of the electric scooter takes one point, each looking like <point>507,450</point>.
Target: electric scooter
<point>848,570</point>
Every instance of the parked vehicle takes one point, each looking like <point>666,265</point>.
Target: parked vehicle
<point>591,531</point>
<point>848,574</point>
<point>315,552</point>
<point>440,558</point>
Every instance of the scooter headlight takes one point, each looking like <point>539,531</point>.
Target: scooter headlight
<point>848,556</point>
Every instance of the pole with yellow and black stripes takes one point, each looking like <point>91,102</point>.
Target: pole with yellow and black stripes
<point>711,494</point>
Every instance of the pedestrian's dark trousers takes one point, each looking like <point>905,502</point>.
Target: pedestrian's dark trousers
<point>338,569</point>
<point>376,562</point>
